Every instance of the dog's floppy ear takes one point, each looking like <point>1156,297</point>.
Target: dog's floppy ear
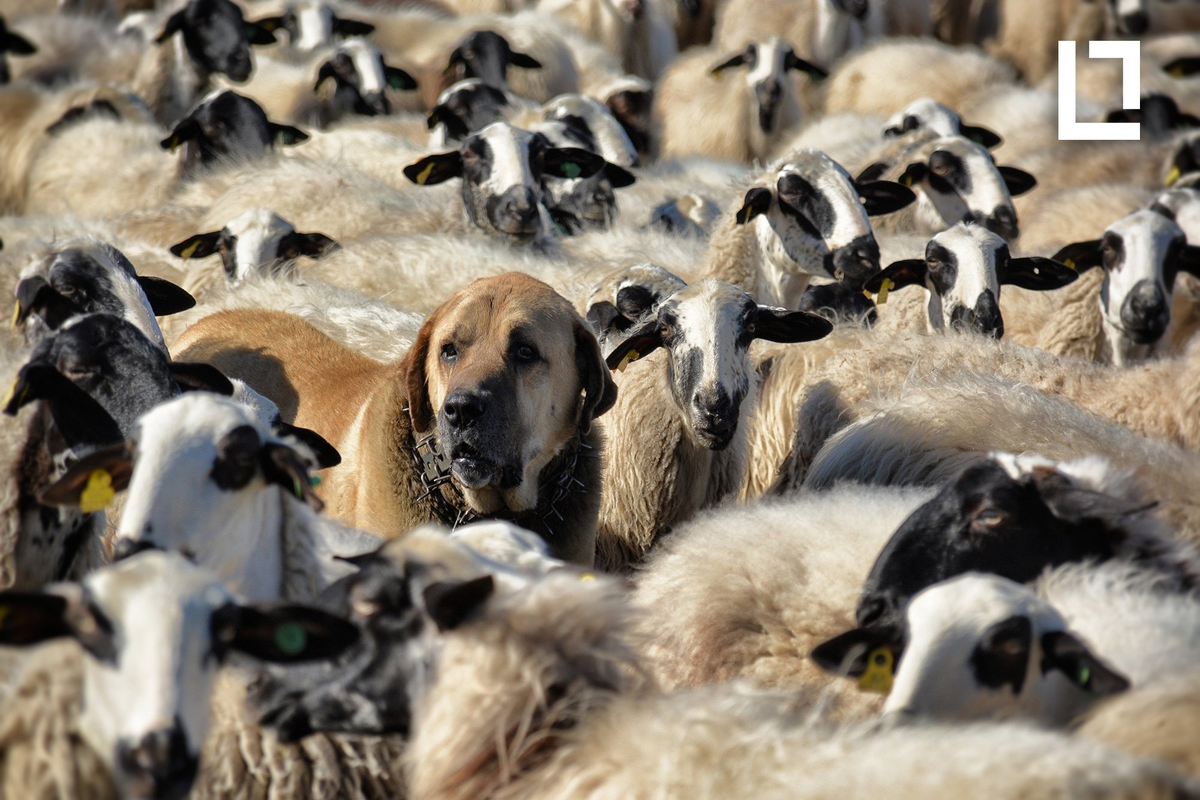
<point>416,385</point>
<point>599,389</point>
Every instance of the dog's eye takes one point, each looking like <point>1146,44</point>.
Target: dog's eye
<point>449,352</point>
<point>526,353</point>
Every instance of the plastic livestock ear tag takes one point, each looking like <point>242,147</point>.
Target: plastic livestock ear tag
<point>878,676</point>
<point>571,170</point>
<point>1173,176</point>
<point>98,493</point>
<point>291,638</point>
<point>174,143</point>
<point>906,180</point>
<point>587,577</point>
<point>16,316</point>
<point>1069,263</point>
<point>191,248</point>
<point>884,287</point>
<point>12,390</point>
<point>424,174</point>
<point>630,357</point>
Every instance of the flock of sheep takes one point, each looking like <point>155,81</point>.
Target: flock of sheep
<point>597,398</point>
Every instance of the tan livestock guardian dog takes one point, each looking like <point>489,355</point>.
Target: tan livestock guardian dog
<point>489,415</point>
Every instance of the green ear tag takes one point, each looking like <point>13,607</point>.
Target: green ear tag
<point>571,170</point>
<point>291,638</point>
<point>314,481</point>
<point>1085,676</point>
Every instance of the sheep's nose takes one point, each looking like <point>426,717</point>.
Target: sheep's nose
<point>1134,24</point>
<point>517,211</point>
<point>984,318</point>
<point>159,764</point>
<point>462,408</point>
<point>1003,223</point>
<point>1145,313</point>
<point>377,104</point>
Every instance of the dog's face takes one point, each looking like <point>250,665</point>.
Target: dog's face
<point>506,371</point>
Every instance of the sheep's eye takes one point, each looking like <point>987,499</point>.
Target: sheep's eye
<point>751,328</point>
<point>1012,646</point>
<point>222,246</point>
<point>67,289</point>
<point>990,518</point>
<point>449,353</point>
<point>526,353</point>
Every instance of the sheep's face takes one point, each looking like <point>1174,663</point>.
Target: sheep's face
<point>498,370</point>
<point>466,106</point>
<point>957,181</point>
<point>993,518</point>
<point>226,126</point>
<point>962,272</point>
<point>216,36</point>
<point>1141,255</point>
<point>258,242</point>
<point>596,123</point>
<point>362,78</point>
<point>707,329</point>
<point>976,647</point>
<point>930,116</point>
<point>581,202</point>
<point>88,276</point>
<point>767,64</point>
<point>487,55</point>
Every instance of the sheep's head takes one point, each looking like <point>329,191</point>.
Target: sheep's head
<point>812,219</point>
<point>962,272</point>
<point>155,629</point>
<point>581,202</point>
<point>929,115</point>
<point>311,24</point>
<point>361,78</point>
<point>216,36</point>
<point>707,329</point>
<point>225,126</point>
<point>767,64</point>
<point>973,647</point>
<point>487,55</point>
<point>467,106</point>
<point>256,242</point>
<point>1140,254</point>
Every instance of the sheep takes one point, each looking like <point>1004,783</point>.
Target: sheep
<point>538,44</point>
<point>466,106</point>
<point>704,112</point>
<point>693,20</point>
<point>698,390</point>
<point>580,203</point>
<point>955,179</point>
<point>884,77</point>
<point>13,43</point>
<point>961,274</point>
<point>124,711</point>
<point>821,30</point>
<point>312,24</point>
<point>242,130</point>
<point>928,114</point>
<point>636,30</point>
<point>630,100</point>
<point>360,76</point>
<point>810,219</point>
<point>72,47</point>
<point>596,120</point>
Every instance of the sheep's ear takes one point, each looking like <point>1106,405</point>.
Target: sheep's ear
<point>1189,260</point>
<point>793,61</point>
<point>1018,181</point>
<point>282,466</point>
<point>326,454</point>
<point>524,61</point>
<point>573,162</point>
<point>165,297</point>
<point>92,481</point>
<point>174,25</point>
<point>281,633</point>
<point>76,414</point>
<point>17,45</point>
<point>602,316</point>
<point>910,272</point>
<point>914,174</point>
<point>286,134</point>
<point>850,653</point>
<point>449,603</point>
<point>640,341</point>
<point>884,197</point>
<point>736,61</point>
<point>872,173</point>
<point>618,176</point>
<point>1065,653</point>
<point>201,245</point>
<point>185,131</point>
<point>456,127</point>
<point>1183,67</point>
<point>599,390</point>
<point>313,245</point>
<point>1036,274</point>
<point>32,617</point>
<point>981,135</point>
<point>1080,256</point>
<point>787,327</point>
<point>758,201</point>
<point>257,34</point>
<point>351,27</point>
<point>433,169</point>
<point>197,377</point>
<point>399,79</point>
<point>323,74</point>
<point>35,295</point>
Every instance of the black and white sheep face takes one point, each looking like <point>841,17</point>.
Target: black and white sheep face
<point>216,36</point>
<point>311,24</point>
<point>467,106</point>
<point>89,276</point>
<point>581,203</point>
<point>361,79</point>
<point>976,647</point>
<point>155,629</point>
<point>774,105</point>
<point>12,43</point>
<point>707,329</point>
<point>813,222</point>
<point>487,55</point>
<point>225,126</point>
<point>1141,255</point>
<point>502,170</point>
<point>1001,516</point>
<point>956,180</point>
<point>596,122</point>
<point>929,115</point>
<point>258,242</point>
<point>963,270</point>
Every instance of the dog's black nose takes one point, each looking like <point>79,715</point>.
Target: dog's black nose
<point>463,408</point>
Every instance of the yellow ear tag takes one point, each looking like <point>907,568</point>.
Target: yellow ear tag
<point>98,493</point>
<point>1176,72</point>
<point>878,677</point>
<point>907,180</point>
<point>884,287</point>
<point>191,248</point>
<point>630,357</point>
<point>1173,176</point>
<point>424,174</point>
<point>16,316</point>
<point>8,396</point>
<point>587,577</point>
<point>174,143</point>
<point>867,295</point>
<point>1069,263</point>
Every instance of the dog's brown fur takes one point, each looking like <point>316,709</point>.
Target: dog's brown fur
<point>371,411</point>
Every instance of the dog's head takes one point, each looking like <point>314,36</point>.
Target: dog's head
<point>506,372</point>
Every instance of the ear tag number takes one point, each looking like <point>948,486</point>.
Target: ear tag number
<point>878,676</point>
<point>884,287</point>
<point>290,638</point>
<point>98,493</point>
<point>630,357</point>
<point>424,174</point>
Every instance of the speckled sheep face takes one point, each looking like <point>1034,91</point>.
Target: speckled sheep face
<point>596,122</point>
<point>977,647</point>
